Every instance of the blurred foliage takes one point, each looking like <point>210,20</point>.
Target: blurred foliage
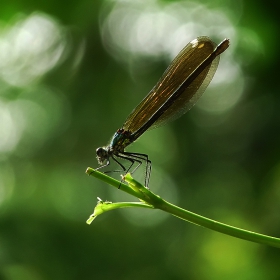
<point>70,73</point>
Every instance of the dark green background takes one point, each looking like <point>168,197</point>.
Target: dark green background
<point>230,172</point>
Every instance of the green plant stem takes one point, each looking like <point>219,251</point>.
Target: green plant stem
<point>155,202</point>
<point>220,227</point>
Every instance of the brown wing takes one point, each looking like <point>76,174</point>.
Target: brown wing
<point>180,68</point>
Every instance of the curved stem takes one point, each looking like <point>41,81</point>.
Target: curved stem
<point>153,201</point>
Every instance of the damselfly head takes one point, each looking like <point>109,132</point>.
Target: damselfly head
<point>102,155</point>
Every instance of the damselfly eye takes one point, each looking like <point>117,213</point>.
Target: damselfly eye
<point>102,154</point>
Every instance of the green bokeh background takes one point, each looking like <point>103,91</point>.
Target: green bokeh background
<point>52,121</point>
